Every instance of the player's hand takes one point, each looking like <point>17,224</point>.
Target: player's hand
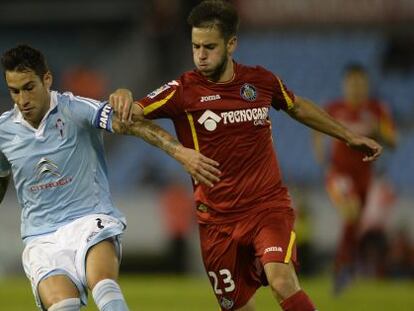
<point>368,146</point>
<point>201,168</point>
<point>121,101</point>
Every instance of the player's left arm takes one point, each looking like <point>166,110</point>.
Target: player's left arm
<point>308,113</point>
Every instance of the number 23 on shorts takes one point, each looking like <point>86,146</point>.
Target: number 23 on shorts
<point>225,276</point>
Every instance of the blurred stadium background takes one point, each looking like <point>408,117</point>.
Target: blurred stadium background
<point>95,46</point>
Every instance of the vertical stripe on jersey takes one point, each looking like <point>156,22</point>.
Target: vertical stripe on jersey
<point>286,96</point>
<point>290,247</point>
<point>157,104</point>
<point>193,131</point>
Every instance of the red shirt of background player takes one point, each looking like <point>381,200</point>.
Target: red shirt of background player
<point>365,119</point>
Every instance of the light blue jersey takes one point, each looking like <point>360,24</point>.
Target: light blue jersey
<point>59,169</point>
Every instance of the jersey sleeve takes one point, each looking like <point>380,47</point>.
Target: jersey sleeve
<point>91,113</point>
<point>164,102</point>
<point>4,165</point>
<point>282,97</point>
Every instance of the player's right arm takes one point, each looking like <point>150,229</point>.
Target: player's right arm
<point>129,119</point>
<point>201,168</point>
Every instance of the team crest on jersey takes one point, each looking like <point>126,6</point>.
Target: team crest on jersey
<point>59,126</point>
<point>248,92</point>
<point>226,303</point>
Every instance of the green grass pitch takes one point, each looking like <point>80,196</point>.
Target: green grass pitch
<point>172,293</point>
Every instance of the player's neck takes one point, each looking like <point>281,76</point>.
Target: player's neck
<point>228,73</point>
<point>35,123</point>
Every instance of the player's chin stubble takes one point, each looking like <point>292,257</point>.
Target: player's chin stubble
<point>215,74</point>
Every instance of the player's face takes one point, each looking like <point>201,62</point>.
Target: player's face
<point>211,52</point>
<point>30,94</point>
<point>356,88</point>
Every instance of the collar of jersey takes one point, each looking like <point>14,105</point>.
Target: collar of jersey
<point>18,117</point>
<point>225,82</point>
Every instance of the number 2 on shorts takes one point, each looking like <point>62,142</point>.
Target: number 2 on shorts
<point>227,280</point>
<point>99,223</point>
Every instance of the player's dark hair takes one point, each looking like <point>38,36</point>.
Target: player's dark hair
<point>24,58</point>
<point>355,68</point>
<point>218,13</point>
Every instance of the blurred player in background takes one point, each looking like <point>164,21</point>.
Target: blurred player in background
<point>177,211</point>
<point>222,109</point>
<point>349,179</point>
<point>52,144</point>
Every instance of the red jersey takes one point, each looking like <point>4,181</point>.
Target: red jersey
<point>228,122</point>
<point>366,119</point>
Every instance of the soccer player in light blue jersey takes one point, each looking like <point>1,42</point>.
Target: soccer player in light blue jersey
<point>52,144</point>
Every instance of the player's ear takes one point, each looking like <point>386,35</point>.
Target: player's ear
<point>47,80</point>
<point>232,44</point>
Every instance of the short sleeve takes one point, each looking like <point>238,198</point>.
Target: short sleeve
<point>91,113</point>
<point>282,97</point>
<point>4,166</point>
<point>164,102</point>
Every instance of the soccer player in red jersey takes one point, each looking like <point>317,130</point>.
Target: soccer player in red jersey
<point>222,109</point>
<point>348,178</point>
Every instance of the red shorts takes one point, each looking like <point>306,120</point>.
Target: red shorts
<point>234,254</point>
